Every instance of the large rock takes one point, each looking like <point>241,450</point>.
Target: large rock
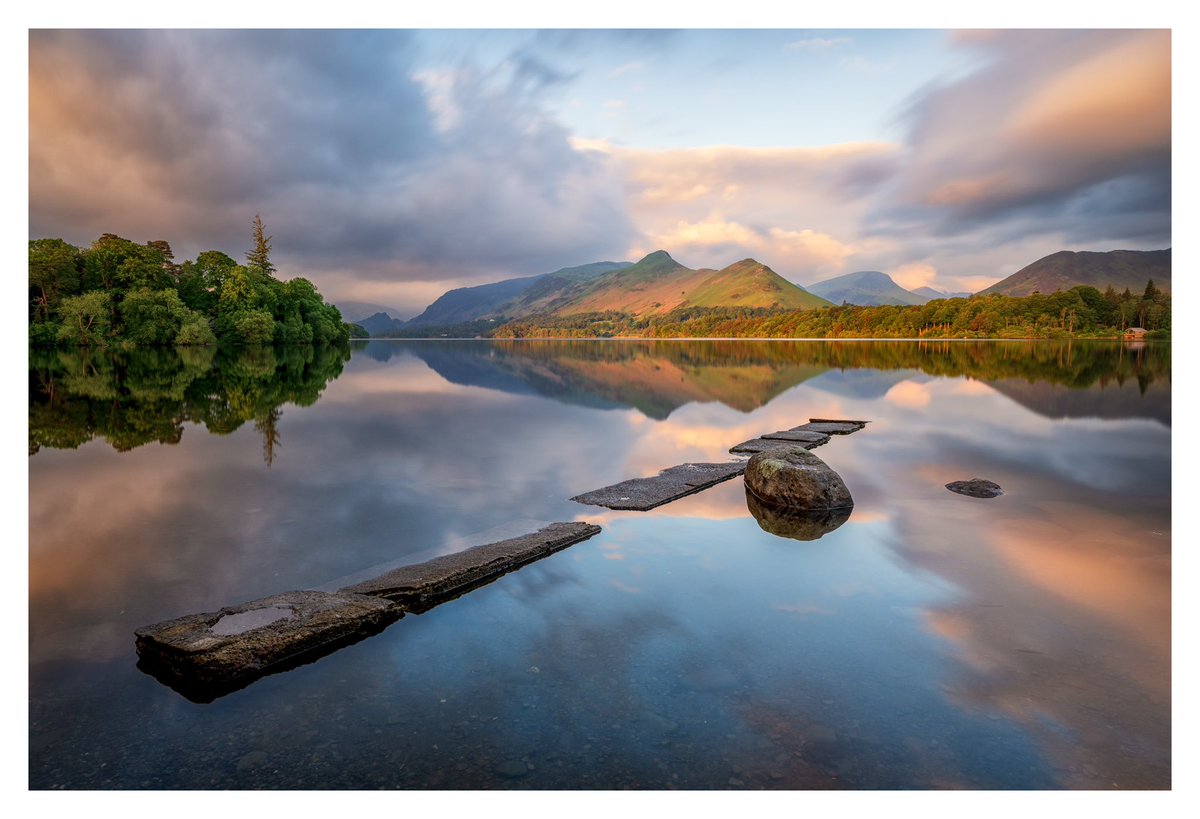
<point>797,480</point>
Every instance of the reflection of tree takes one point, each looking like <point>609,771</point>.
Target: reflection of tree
<point>135,397</point>
<point>266,427</point>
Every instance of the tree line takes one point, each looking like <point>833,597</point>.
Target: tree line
<point>1081,312</point>
<point>117,291</point>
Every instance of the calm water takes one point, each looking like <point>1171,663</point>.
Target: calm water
<point>932,641</point>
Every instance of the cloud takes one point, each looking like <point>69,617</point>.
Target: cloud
<point>1058,132</point>
<point>914,275</point>
<point>795,209</point>
<point>356,160</point>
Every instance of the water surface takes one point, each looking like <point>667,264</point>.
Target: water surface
<point>930,641</point>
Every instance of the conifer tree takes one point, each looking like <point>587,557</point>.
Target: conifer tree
<point>260,257</point>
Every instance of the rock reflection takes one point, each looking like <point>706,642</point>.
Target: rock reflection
<point>807,525</point>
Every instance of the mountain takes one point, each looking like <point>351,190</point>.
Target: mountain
<point>868,288</point>
<point>353,311</point>
<point>930,294</point>
<point>379,323</point>
<point>1067,269</point>
<point>659,284</point>
<point>510,297</point>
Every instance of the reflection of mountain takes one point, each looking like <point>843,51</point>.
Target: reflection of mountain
<point>1051,378</point>
<point>1113,400</point>
<point>862,384</point>
<point>654,377</point>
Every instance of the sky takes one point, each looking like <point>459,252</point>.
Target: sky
<point>392,165</point>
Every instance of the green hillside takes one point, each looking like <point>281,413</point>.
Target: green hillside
<point>751,284</point>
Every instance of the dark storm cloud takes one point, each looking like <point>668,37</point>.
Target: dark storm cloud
<point>355,161</point>
<point>1064,132</point>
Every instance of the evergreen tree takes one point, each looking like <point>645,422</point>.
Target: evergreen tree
<point>260,257</point>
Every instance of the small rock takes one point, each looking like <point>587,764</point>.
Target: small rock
<point>976,488</point>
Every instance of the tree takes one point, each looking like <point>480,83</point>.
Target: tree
<point>53,274</point>
<point>86,319</point>
<point>260,257</point>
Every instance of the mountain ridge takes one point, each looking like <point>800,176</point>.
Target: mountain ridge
<point>1100,269</point>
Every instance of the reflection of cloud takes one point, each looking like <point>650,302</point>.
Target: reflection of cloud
<point>909,394</point>
<point>1063,625</point>
<point>803,609</point>
<point>817,43</point>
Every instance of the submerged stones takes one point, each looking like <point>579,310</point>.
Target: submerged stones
<point>976,488</point>
<point>794,479</point>
<point>641,494</point>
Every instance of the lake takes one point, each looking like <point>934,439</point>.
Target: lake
<point>931,641</point>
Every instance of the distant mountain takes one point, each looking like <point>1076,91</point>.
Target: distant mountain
<point>931,294</point>
<point>868,288</point>
<point>659,284</point>
<point>352,311</point>
<point>1067,269</point>
<point>510,297</point>
<point>379,324</point>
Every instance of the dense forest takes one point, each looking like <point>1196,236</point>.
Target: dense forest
<point>119,292</point>
<point>1081,312</point>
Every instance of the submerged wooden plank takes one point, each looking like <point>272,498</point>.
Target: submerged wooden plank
<point>421,587</point>
<point>641,494</point>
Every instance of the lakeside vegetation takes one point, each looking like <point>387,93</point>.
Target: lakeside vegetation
<point>119,292</point>
<point>1081,312</point>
